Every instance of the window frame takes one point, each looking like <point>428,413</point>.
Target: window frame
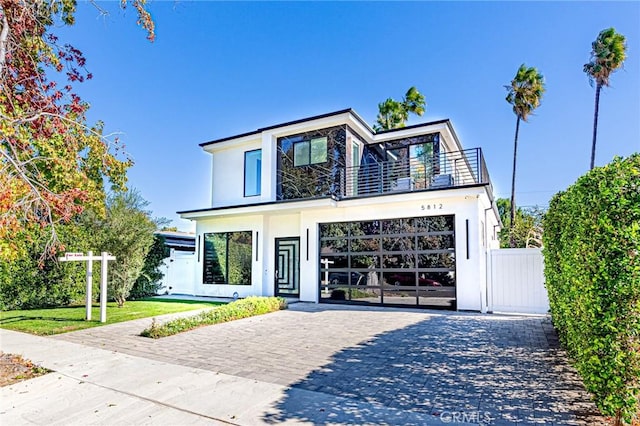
<point>308,142</point>
<point>258,175</point>
<point>226,257</point>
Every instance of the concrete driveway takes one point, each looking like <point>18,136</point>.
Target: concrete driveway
<point>354,365</point>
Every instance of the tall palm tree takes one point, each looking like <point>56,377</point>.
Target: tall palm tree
<point>608,53</point>
<point>524,94</point>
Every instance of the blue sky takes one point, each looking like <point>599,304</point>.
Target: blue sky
<point>218,69</point>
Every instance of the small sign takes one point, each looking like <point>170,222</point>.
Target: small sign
<point>434,206</point>
<point>89,258</point>
<point>69,256</point>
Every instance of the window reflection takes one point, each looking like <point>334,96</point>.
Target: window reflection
<point>406,261</point>
<point>227,258</point>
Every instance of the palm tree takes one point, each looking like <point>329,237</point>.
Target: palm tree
<point>393,114</point>
<point>608,52</point>
<point>414,102</point>
<point>524,93</point>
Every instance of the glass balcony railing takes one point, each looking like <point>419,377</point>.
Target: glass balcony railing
<point>442,170</point>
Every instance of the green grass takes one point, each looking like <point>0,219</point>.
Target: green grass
<point>61,320</point>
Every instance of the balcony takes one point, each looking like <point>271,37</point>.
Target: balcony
<point>444,170</point>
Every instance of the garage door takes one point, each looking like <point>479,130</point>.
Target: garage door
<point>397,262</point>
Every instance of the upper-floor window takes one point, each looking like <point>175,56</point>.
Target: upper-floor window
<point>252,172</point>
<point>311,151</point>
<point>310,164</point>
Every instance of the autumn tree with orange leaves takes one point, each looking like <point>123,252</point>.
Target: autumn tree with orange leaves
<point>53,164</point>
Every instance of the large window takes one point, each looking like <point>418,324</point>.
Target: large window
<point>227,258</point>
<point>404,261</point>
<point>310,164</point>
<point>312,151</point>
<point>252,172</point>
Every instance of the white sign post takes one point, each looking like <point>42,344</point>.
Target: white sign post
<point>104,258</point>
<point>103,285</point>
<point>89,285</point>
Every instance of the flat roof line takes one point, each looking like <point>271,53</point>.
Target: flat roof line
<point>317,117</point>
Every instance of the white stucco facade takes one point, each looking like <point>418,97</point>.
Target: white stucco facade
<point>268,218</point>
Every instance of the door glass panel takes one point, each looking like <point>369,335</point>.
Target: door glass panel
<point>399,279</point>
<point>421,164</point>
<point>435,242</point>
<point>397,243</point>
<point>398,261</point>
<point>368,228</point>
<point>400,296</point>
<point>437,260</point>
<point>365,244</point>
<point>365,261</point>
<point>334,229</point>
<point>355,164</point>
<point>333,246</point>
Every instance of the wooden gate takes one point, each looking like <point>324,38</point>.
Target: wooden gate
<point>516,281</point>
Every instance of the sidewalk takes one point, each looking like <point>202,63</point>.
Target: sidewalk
<point>96,386</point>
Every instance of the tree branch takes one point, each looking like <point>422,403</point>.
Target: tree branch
<point>4,36</point>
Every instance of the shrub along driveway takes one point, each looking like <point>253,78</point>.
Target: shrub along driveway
<point>447,366</point>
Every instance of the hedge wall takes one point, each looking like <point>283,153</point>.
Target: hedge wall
<point>28,283</point>
<point>592,270</point>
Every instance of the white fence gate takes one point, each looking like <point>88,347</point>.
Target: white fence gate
<point>179,272</point>
<point>516,281</point>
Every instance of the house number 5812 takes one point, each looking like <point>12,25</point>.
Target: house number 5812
<point>431,207</point>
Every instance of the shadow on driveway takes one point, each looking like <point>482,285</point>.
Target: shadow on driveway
<point>448,369</point>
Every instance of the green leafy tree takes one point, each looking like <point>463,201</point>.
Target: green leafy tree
<point>394,114</point>
<point>148,283</point>
<point>126,231</point>
<point>524,95</point>
<point>527,230</point>
<point>608,53</point>
<point>52,162</point>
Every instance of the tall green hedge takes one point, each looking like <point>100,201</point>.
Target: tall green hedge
<point>592,270</point>
<point>28,282</point>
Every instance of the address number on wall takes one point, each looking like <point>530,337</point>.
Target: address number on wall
<point>437,206</point>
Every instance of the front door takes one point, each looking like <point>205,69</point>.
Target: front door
<point>287,278</point>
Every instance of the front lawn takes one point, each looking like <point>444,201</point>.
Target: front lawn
<point>62,320</point>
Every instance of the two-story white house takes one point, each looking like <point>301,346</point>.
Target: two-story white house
<point>326,210</point>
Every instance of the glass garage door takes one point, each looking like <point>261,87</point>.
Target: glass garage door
<point>399,262</point>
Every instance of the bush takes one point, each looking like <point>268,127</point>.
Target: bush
<point>244,308</point>
<point>30,281</point>
<point>592,271</point>
<point>148,283</point>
